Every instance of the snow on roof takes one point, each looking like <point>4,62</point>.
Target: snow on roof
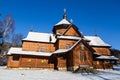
<point>14,50</point>
<point>107,57</point>
<point>69,37</point>
<point>60,51</point>
<point>63,21</point>
<point>96,53</point>
<point>40,37</point>
<point>96,41</point>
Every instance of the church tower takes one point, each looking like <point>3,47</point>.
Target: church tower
<point>64,25</point>
<point>61,26</point>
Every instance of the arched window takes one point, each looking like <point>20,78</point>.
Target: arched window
<point>82,47</point>
<point>83,56</point>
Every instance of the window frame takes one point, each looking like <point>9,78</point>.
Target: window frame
<point>68,46</point>
<point>42,49</point>
<point>82,47</point>
<point>83,56</point>
<point>15,58</point>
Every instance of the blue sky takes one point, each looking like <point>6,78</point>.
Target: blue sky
<point>92,17</point>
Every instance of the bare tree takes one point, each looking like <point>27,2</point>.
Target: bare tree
<point>6,29</point>
<point>17,40</point>
<point>7,26</point>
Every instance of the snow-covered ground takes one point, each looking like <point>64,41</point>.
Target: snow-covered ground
<point>17,74</point>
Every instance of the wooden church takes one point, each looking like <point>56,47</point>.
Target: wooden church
<point>64,49</point>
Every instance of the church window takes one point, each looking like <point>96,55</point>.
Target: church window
<point>42,49</point>
<point>15,57</point>
<point>67,46</point>
<point>83,56</point>
<point>82,47</point>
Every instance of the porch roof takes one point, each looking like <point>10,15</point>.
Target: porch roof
<point>60,51</point>
<point>103,57</point>
<point>97,53</point>
<point>19,51</point>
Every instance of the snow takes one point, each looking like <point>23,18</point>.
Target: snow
<point>63,21</point>
<point>40,37</point>
<point>45,37</point>
<point>44,74</point>
<point>107,57</point>
<point>96,41</point>
<point>61,51</point>
<point>14,50</point>
<point>69,37</point>
<point>96,53</point>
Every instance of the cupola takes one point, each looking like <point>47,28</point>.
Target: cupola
<point>61,26</point>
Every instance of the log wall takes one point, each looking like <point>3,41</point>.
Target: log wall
<point>30,62</point>
<point>61,31</point>
<point>35,46</point>
<point>75,58</point>
<point>62,43</point>
<point>71,32</point>
<point>102,50</point>
<point>102,65</point>
<point>11,63</point>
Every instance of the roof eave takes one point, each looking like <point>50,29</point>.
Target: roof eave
<point>38,41</point>
<point>100,46</point>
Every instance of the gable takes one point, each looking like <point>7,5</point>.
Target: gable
<point>86,46</point>
<point>78,54</point>
<point>72,31</point>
